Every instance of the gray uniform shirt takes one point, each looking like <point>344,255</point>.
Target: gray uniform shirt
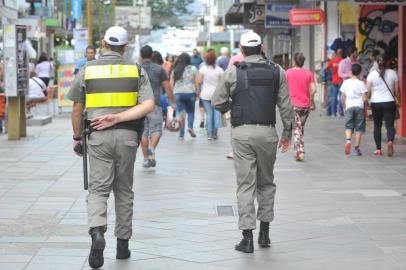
<point>157,75</point>
<point>78,91</point>
<point>221,99</point>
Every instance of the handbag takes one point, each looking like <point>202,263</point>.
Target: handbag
<point>397,114</point>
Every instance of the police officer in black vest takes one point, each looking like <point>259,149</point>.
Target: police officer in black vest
<point>251,90</point>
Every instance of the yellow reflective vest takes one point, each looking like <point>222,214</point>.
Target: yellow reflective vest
<point>111,85</point>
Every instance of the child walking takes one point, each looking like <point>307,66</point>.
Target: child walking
<point>354,97</point>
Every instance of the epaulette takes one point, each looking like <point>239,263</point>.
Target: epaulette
<point>241,64</point>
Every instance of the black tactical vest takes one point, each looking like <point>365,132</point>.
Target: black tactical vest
<point>255,96</point>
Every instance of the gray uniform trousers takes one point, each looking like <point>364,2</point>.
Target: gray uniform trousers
<point>111,160</point>
<point>254,158</point>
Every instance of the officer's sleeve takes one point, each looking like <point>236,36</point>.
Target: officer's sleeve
<point>145,91</point>
<point>77,91</point>
<point>221,99</point>
<point>285,106</point>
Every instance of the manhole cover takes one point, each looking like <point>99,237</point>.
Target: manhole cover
<point>225,210</point>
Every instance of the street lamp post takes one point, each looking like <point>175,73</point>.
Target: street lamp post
<point>89,22</point>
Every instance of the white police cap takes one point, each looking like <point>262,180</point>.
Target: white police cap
<point>250,39</point>
<point>116,35</point>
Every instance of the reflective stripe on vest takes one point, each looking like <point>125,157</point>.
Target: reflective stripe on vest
<point>114,85</point>
<point>100,100</point>
<point>111,72</point>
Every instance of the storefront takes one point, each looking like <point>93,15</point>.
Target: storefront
<point>381,26</point>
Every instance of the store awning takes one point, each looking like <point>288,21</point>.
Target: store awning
<point>234,15</point>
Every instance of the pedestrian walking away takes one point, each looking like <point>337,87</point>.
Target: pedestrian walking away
<point>154,121</point>
<point>209,77</point>
<point>302,90</point>
<point>354,97</point>
<point>334,102</point>
<point>44,69</point>
<point>383,89</point>
<point>116,95</point>
<point>184,83</point>
<point>255,86</point>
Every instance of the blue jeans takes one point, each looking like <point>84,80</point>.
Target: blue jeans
<point>335,100</point>
<point>329,108</point>
<point>186,102</point>
<point>212,117</point>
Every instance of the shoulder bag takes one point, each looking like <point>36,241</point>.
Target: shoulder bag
<point>397,115</point>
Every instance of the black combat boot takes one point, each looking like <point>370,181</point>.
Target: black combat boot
<point>122,249</point>
<point>263,237</point>
<point>96,259</point>
<point>247,243</point>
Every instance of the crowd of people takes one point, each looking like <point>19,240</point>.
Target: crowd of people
<point>353,89</point>
<point>192,78</point>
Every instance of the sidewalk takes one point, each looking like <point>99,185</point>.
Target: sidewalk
<point>332,211</point>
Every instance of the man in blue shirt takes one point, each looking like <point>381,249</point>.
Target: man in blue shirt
<point>89,56</point>
<point>196,59</point>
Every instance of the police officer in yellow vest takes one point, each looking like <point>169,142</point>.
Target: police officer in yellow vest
<point>116,94</point>
<point>252,89</point>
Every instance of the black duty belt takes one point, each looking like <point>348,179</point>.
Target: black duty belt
<point>134,125</point>
<point>130,125</point>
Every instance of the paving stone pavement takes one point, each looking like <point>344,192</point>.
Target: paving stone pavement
<point>332,211</point>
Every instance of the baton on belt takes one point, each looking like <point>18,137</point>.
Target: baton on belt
<point>85,135</point>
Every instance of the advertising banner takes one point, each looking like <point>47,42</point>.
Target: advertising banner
<point>77,9</point>
<point>304,16</point>
<point>65,79</point>
<point>277,15</point>
<point>80,36</point>
<point>15,60</point>
<point>254,14</point>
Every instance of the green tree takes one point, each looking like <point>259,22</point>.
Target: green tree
<point>168,12</point>
<point>164,12</point>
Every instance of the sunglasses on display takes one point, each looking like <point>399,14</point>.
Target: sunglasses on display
<point>367,24</point>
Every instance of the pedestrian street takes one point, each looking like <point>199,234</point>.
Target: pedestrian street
<point>332,211</point>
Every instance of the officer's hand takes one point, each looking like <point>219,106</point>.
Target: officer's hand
<point>104,121</point>
<point>78,148</point>
<point>284,144</point>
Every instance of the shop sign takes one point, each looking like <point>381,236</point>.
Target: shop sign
<point>33,26</point>
<point>15,60</point>
<point>254,14</point>
<point>80,36</point>
<point>303,17</point>
<point>65,80</point>
<point>277,15</point>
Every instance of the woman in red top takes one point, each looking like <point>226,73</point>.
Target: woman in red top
<point>302,90</point>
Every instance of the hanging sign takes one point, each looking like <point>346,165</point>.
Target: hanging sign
<point>306,16</point>
<point>15,60</point>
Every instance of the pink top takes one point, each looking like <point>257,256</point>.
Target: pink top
<point>236,58</point>
<point>344,69</point>
<point>299,80</point>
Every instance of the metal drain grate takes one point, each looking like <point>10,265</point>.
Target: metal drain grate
<point>225,210</point>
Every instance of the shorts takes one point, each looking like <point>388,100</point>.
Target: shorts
<point>153,123</point>
<point>355,119</point>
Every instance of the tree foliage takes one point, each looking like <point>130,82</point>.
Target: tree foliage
<point>168,12</point>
